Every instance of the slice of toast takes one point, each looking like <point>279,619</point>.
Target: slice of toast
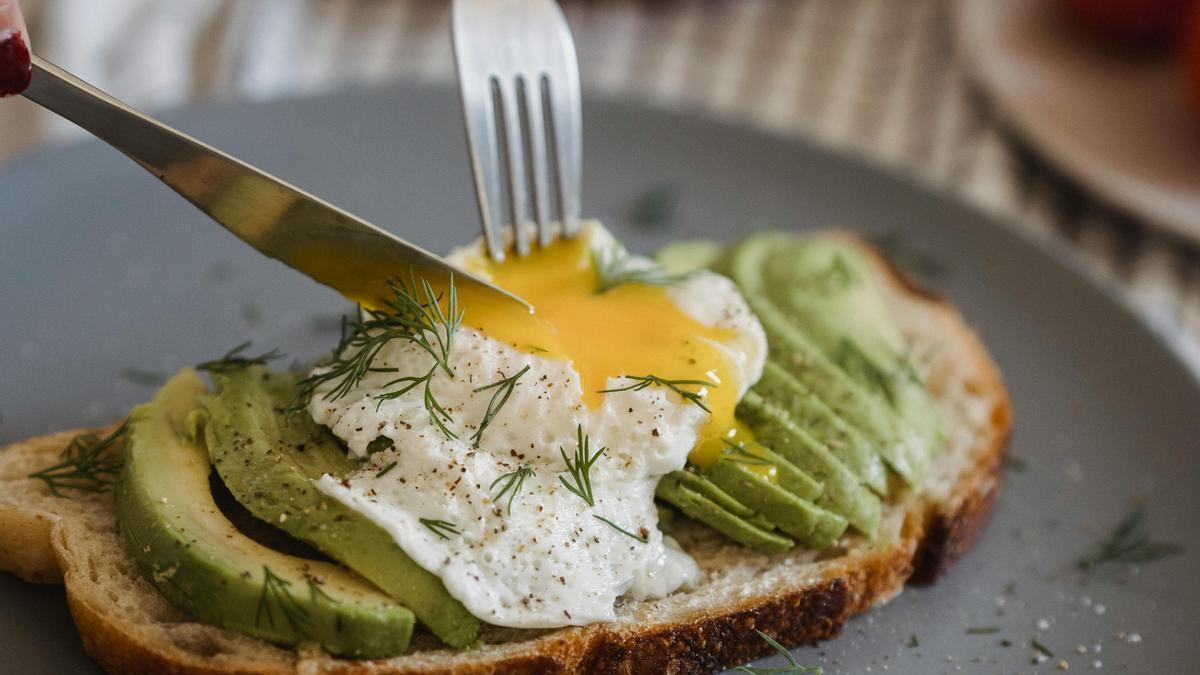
<point>799,596</point>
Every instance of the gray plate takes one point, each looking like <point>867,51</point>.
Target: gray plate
<point>102,269</point>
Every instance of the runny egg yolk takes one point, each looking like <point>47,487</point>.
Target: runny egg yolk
<point>630,330</point>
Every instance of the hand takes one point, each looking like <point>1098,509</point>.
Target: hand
<point>11,20</point>
<point>15,69</point>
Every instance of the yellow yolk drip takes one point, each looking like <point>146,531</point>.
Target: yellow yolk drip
<point>737,435</point>
<point>632,329</point>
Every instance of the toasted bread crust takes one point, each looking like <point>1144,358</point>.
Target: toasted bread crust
<point>934,534</point>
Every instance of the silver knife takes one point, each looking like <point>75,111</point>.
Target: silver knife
<point>281,221</point>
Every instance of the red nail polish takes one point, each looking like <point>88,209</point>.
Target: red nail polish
<point>15,68</point>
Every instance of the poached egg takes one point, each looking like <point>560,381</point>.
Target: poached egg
<point>497,513</point>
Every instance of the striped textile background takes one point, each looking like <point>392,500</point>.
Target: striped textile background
<point>880,78</point>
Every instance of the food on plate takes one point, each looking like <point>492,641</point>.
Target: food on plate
<point>668,455</point>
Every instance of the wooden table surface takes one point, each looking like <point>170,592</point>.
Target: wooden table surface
<point>877,78</point>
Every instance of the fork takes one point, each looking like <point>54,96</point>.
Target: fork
<point>519,80</point>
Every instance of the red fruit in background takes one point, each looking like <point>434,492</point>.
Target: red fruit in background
<point>1191,58</point>
<point>1152,24</point>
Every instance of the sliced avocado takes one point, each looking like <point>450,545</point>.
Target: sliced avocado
<point>787,475</point>
<point>186,547</point>
<point>703,486</point>
<point>677,489</point>
<point>828,288</point>
<point>899,445</point>
<point>810,413</point>
<point>783,499</point>
<point>843,493</point>
<point>812,525</point>
<point>270,462</point>
<point>689,255</point>
<point>904,449</point>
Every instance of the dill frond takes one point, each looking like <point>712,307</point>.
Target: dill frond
<point>233,360</point>
<point>275,597</point>
<point>615,267</point>
<point>793,667</point>
<point>413,313</point>
<point>737,452</point>
<point>620,529</point>
<point>442,528</point>
<point>88,464</point>
<point>580,468</point>
<point>504,389</point>
<point>1129,543</point>
<point>640,382</point>
<point>511,483</point>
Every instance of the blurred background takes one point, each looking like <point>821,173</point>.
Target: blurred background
<point>1070,117</point>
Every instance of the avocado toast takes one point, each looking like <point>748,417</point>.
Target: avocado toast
<point>859,542</point>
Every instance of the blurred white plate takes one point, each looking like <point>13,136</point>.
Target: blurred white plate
<point>1119,123</point>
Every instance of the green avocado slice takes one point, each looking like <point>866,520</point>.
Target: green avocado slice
<point>787,475</point>
<point>843,493</point>
<point>828,288</point>
<point>722,513</point>
<point>183,544</point>
<point>810,413</point>
<point>812,525</point>
<point>688,478</point>
<point>903,448</point>
<point>270,461</point>
<point>688,255</point>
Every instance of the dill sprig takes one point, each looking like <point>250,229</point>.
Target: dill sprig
<point>1016,464</point>
<point>1037,646</point>
<point>657,206</point>
<point>442,528</point>
<point>504,389</point>
<point>143,377</point>
<point>615,267</point>
<point>438,415</point>
<point>580,469</point>
<point>983,630</point>
<point>640,382</point>
<point>737,452</point>
<point>88,464</point>
<point>1129,543</point>
<point>275,597</point>
<point>413,313</point>
<point>384,471</point>
<point>233,360</point>
<point>620,529</point>
<point>793,667</point>
<point>510,484</point>
<point>315,593</point>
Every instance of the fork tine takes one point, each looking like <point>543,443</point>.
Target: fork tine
<point>532,105</point>
<point>485,162</point>
<point>513,145</point>
<point>567,143</point>
<point>519,77</point>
